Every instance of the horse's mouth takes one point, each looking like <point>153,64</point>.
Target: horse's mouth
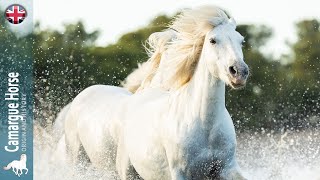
<point>237,85</point>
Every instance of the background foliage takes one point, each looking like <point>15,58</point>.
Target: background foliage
<point>278,94</point>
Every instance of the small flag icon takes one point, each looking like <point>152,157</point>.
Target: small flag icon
<point>15,14</point>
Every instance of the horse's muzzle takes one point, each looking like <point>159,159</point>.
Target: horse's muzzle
<point>238,75</point>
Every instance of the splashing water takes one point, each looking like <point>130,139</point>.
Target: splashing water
<point>262,156</point>
<point>283,156</point>
<point>48,166</point>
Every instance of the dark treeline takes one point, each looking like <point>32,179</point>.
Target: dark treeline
<point>281,93</point>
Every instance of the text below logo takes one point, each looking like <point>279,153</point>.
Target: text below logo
<point>16,14</point>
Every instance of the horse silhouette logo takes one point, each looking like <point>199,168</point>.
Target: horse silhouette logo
<point>18,166</point>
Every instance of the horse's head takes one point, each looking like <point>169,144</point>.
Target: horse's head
<point>223,48</point>
<point>23,157</point>
<point>205,30</point>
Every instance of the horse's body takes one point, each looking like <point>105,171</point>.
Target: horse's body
<point>185,133</point>
<point>18,166</point>
<point>100,137</point>
<point>195,137</point>
<point>188,133</point>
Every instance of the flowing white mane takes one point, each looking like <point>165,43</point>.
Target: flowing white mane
<point>144,73</point>
<point>183,49</point>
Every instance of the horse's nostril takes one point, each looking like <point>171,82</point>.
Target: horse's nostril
<point>245,72</point>
<point>233,70</point>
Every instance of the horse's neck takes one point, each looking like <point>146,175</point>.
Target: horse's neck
<point>23,160</point>
<point>206,95</point>
<point>162,74</point>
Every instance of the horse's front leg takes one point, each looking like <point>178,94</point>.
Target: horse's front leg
<point>176,164</point>
<point>73,146</point>
<point>26,170</point>
<point>124,167</point>
<point>177,175</point>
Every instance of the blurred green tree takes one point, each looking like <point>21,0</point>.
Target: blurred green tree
<point>303,77</point>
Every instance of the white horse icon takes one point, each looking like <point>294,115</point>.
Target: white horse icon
<point>18,165</point>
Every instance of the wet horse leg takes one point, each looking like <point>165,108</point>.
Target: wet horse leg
<point>124,167</point>
<point>73,145</point>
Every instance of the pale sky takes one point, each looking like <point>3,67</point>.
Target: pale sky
<point>116,17</point>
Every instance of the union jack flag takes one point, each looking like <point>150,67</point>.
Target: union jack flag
<point>15,14</point>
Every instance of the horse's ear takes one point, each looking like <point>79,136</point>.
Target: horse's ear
<point>233,22</point>
<point>216,21</point>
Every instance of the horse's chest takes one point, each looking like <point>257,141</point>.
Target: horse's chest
<point>203,153</point>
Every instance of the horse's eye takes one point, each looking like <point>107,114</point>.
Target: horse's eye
<point>213,41</point>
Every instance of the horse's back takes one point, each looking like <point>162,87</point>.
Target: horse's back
<point>100,92</point>
<point>93,99</point>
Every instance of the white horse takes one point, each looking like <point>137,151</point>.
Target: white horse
<point>185,133</point>
<point>18,166</point>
